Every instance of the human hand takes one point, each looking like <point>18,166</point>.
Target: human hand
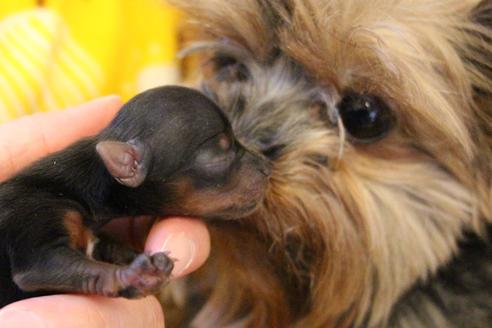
<point>23,141</point>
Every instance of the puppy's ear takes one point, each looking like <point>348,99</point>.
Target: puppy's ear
<point>127,162</point>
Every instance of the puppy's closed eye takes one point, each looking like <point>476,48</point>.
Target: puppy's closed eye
<point>216,155</point>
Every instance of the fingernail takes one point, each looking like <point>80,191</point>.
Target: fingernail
<point>16,318</point>
<point>182,249</point>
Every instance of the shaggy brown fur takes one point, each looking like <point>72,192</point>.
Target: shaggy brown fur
<point>354,234</point>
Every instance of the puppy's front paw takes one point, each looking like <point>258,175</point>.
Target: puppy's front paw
<point>145,275</point>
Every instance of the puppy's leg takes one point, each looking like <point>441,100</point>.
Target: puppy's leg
<point>64,269</point>
<point>51,256</point>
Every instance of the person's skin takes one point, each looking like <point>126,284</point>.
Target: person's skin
<point>25,140</point>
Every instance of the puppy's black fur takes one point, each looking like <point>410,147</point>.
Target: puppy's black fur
<point>169,151</point>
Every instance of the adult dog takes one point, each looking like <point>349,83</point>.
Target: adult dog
<point>377,118</point>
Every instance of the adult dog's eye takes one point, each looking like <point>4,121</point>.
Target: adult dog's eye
<point>366,118</point>
<point>228,69</point>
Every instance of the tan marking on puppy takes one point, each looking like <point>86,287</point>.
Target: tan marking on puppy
<point>81,237</point>
<point>238,197</point>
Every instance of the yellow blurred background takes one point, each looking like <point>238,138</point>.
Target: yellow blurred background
<point>58,53</point>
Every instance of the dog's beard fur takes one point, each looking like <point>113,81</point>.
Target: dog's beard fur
<point>346,229</point>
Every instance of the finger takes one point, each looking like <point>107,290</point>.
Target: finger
<point>187,240</point>
<point>78,311</point>
<point>24,140</point>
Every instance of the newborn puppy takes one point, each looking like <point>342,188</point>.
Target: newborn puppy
<point>169,151</point>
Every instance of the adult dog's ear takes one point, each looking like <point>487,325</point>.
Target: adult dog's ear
<point>483,13</point>
<point>478,54</point>
<point>480,46</point>
<point>127,162</point>
<point>478,57</point>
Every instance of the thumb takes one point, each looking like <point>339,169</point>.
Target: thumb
<point>77,311</point>
<point>186,240</point>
